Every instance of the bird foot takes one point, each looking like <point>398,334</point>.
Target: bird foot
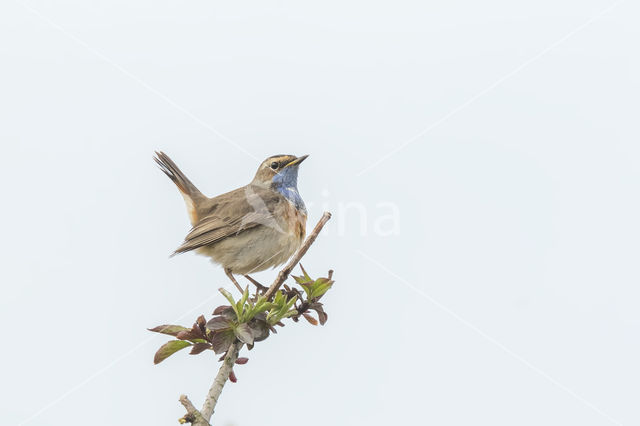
<point>233,280</point>
<point>261,289</point>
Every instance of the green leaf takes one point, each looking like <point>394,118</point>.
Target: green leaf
<point>171,330</point>
<point>291,302</point>
<point>245,296</point>
<point>286,307</point>
<point>320,287</point>
<point>244,333</point>
<point>240,305</point>
<point>169,349</point>
<point>261,306</point>
<point>289,313</point>
<point>300,280</point>
<point>229,297</point>
<point>308,289</point>
<point>308,278</point>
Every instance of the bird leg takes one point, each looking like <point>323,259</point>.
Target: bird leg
<point>259,286</point>
<point>233,280</point>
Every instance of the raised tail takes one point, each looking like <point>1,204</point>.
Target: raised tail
<point>192,195</point>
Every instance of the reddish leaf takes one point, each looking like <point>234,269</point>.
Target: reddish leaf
<point>311,319</point>
<point>171,330</point>
<point>190,334</point>
<point>242,360</point>
<point>220,309</point>
<point>226,311</point>
<point>244,333</point>
<point>199,347</point>
<point>218,323</point>
<point>262,316</point>
<point>322,316</point>
<point>232,377</point>
<point>259,329</point>
<point>222,340</point>
<point>201,324</point>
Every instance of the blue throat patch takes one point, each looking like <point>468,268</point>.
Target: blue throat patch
<point>286,183</point>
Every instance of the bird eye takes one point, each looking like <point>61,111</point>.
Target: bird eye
<point>274,165</point>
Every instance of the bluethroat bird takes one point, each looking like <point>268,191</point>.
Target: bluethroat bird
<point>249,229</point>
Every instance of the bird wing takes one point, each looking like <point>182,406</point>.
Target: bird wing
<point>232,213</point>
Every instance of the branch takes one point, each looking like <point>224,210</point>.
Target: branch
<point>202,417</point>
<point>220,380</point>
<point>193,416</point>
<point>284,273</point>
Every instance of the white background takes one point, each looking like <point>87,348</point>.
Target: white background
<point>508,295</point>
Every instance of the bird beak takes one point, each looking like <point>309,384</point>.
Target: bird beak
<point>296,161</point>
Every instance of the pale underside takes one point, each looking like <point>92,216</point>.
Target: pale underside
<point>253,250</point>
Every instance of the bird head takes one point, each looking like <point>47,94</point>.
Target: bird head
<point>279,171</point>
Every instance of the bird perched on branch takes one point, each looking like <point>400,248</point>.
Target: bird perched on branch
<point>249,229</point>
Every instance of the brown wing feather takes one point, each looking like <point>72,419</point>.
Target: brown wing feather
<point>232,213</point>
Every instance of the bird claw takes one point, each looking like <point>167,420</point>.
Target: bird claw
<point>261,289</point>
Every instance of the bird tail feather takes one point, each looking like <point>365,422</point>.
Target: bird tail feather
<point>192,195</point>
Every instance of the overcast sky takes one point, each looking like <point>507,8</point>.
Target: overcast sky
<point>480,160</point>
